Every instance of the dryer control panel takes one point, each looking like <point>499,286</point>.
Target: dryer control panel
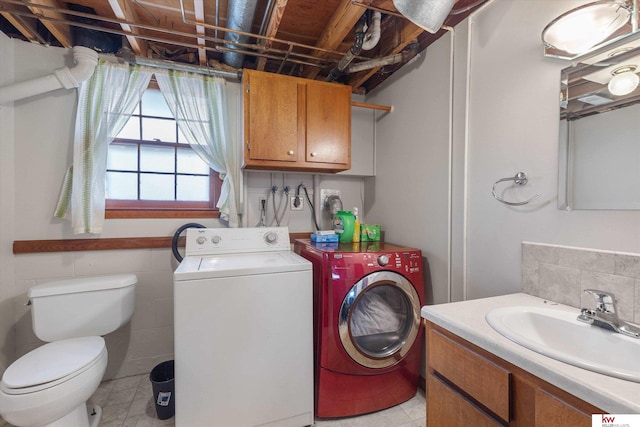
<point>212,241</point>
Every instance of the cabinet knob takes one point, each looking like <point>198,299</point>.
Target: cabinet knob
<point>290,152</point>
<point>313,154</point>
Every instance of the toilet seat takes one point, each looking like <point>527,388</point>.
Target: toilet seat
<point>52,364</point>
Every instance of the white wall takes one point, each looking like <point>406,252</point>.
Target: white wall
<point>7,339</point>
<point>513,126</point>
<point>409,195</point>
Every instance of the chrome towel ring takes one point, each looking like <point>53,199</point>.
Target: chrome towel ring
<point>520,179</point>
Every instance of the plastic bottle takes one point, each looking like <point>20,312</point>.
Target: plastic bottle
<point>356,226</point>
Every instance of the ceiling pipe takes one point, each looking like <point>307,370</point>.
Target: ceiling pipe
<point>372,37</point>
<point>68,78</point>
<point>353,51</point>
<point>240,18</point>
<point>404,56</point>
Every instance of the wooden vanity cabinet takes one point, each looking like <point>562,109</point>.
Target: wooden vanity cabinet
<point>295,124</point>
<point>467,385</point>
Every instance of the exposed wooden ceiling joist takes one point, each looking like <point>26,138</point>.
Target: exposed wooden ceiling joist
<point>340,25</point>
<point>198,10</point>
<point>27,27</point>
<point>123,10</point>
<point>272,29</point>
<point>61,31</point>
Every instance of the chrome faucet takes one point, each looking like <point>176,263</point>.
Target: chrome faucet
<point>606,314</point>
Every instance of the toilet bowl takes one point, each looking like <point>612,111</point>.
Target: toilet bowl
<point>33,396</point>
<point>49,386</point>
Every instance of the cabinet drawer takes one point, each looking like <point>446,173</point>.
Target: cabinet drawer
<point>475,375</point>
<point>447,408</point>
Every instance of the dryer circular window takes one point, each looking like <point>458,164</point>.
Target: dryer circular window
<point>379,319</point>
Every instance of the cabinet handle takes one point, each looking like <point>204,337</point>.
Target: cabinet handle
<point>290,152</point>
<point>313,154</point>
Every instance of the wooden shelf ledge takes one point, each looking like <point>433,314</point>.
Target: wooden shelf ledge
<point>104,244</point>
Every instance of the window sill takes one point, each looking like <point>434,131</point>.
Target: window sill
<point>160,213</point>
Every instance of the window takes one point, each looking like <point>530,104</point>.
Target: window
<point>153,172</point>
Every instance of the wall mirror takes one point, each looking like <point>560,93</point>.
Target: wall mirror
<point>599,157</point>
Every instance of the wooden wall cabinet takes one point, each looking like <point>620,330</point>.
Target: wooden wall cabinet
<point>294,124</point>
<point>467,385</point>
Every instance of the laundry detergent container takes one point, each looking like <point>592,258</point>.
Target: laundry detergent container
<point>343,223</point>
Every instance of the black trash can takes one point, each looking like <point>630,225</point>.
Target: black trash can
<point>163,389</point>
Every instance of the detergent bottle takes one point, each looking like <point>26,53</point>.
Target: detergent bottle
<point>356,226</point>
<point>343,225</point>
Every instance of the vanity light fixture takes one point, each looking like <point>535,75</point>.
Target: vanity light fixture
<point>427,14</point>
<point>624,80</point>
<point>579,30</point>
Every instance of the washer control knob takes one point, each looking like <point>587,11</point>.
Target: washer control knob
<point>383,260</point>
<point>215,239</point>
<point>200,240</point>
<point>271,237</point>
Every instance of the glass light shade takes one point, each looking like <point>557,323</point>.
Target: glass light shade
<point>580,29</point>
<point>623,83</point>
<point>426,14</point>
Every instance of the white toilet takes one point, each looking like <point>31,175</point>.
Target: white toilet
<point>50,385</point>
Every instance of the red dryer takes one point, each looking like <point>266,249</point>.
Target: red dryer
<point>367,326</point>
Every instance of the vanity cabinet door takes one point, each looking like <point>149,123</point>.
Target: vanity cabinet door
<point>550,410</point>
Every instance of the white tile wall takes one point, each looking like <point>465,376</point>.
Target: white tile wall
<point>561,274</point>
<point>141,344</point>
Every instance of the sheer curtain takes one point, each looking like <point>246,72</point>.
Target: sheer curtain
<point>105,103</point>
<point>199,104</point>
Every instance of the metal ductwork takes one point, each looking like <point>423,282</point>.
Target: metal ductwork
<point>239,17</point>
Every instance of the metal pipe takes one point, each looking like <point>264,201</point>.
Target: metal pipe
<point>354,50</point>
<point>403,56</point>
<point>128,57</point>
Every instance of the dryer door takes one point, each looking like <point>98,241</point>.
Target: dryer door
<point>379,319</point>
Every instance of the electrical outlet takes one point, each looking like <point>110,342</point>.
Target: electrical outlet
<point>262,203</point>
<point>293,203</point>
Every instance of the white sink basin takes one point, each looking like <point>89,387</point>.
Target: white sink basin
<point>557,334</point>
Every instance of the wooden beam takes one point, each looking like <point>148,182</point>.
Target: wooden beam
<point>28,27</point>
<point>408,33</point>
<point>198,10</point>
<point>341,23</point>
<point>272,29</point>
<point>122,11</point>
<point>62,32</point>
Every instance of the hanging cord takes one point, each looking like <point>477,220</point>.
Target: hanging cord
<point>276,217</point>
<point>296,203</point>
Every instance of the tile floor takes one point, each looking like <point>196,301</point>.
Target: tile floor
<point>127,402</point>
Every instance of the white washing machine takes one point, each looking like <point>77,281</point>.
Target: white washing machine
<point>243,309</point>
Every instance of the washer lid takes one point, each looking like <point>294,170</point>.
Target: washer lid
<point>82,284</point>
<point>53,361</point>
<point>247,264</point>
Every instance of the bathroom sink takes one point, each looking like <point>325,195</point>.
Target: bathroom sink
<point>557,334</point>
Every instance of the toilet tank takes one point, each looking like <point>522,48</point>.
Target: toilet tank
<point>82,306</point>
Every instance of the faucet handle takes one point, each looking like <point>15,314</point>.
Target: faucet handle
<point>605,301</point>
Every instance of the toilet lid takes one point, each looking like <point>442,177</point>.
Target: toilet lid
<point>53,361</point>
